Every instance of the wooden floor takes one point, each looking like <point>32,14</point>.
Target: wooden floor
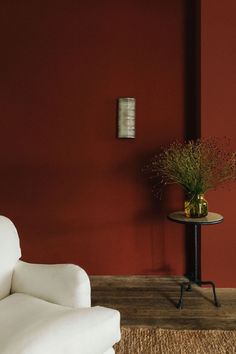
<point>151,301</point>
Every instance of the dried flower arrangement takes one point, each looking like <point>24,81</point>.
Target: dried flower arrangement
<point>196,166</point>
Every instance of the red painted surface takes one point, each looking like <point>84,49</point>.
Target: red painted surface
<point>218,86</point>
<point>76,192</point>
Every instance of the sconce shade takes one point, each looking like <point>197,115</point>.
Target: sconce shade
<point>126,117</point>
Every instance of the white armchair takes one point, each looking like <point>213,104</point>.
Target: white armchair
<point>45,309</point>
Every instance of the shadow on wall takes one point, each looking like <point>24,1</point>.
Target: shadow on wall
<point>154,214</point>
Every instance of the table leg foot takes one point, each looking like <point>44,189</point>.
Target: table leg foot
<point>187,286</point>
<point>180,304</point>
<point>209,282</point>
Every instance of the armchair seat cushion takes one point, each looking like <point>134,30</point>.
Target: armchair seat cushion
<point>29,325</point>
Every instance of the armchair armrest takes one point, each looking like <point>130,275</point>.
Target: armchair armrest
<point>63,284</point>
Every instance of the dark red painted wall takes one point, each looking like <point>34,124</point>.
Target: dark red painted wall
<point>76,192</point>
<point>218,86</point>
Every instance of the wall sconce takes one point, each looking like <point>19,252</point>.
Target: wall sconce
<point>126,117</point>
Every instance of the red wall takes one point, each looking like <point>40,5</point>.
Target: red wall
<point>218,116</point>
<point>76,192</point>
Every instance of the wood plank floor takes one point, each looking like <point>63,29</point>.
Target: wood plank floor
<point>150,301</point>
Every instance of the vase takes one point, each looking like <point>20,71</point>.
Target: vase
<point>196,206</point>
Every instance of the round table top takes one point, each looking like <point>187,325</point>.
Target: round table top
<point>211,218</point>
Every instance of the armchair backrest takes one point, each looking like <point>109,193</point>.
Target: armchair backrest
<point>10,253</point>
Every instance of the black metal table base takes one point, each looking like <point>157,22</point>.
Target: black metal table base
<point>180,217</point>
<point>187,286</point>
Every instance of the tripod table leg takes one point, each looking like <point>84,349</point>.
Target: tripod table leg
<point>209,282</point>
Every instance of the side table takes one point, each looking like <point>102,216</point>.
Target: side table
<point>210,219</point>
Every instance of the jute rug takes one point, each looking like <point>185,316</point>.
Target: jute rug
<point>167,341</point>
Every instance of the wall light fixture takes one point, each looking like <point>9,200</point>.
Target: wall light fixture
<point>126,117</point>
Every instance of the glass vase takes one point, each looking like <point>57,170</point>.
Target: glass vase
<point>196,206</point>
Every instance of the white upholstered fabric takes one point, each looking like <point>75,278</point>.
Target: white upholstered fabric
<point>32,326</point>
<point>63,284</point>
<point>110,351</point>
<point>49,310</point>
<point>9,254</point>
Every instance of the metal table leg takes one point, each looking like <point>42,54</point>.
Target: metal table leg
<point>187,286</point>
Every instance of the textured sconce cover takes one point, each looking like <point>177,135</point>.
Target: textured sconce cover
<point>126,117</point>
